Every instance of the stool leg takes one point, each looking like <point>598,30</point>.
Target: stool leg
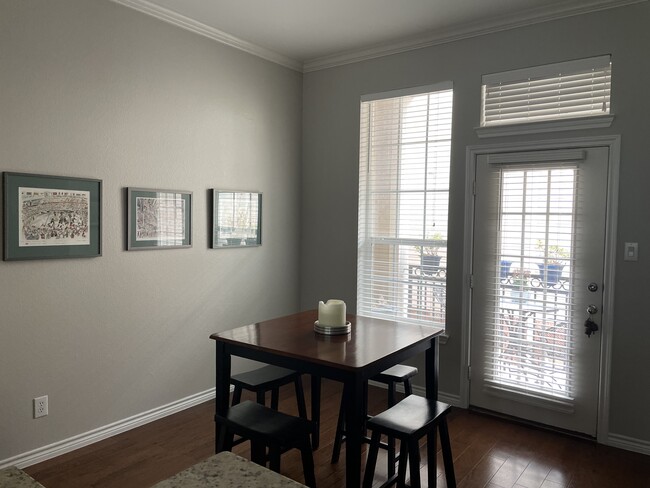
<point>308,463</point>
<point>446,454</point>
<point>408,387</point>
<point>236,397</point>
<point>274,458</point>
<point>258,453</point>
<point>391,456</point>
<point>414,463</point>
<point>261,397</point>
<point>391,394</point>
<point>371,463</point>
<point>275,398</point>
<point>432,448</point>
<point>403,458</point>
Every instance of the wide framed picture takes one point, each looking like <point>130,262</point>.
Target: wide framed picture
<point>236,219</point>
<point>50,217</point>
<point>158,219</point>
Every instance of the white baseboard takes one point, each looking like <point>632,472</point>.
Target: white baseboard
<point>613,440</point>
<point>61,447</point>
<point>628,443</point>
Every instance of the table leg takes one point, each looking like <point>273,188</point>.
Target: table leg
<point>431,370</point>
<point>315,409</point>
<point>222,389</point>
<point>354,422</point>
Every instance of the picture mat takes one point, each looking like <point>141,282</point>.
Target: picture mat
<point>13,217</point>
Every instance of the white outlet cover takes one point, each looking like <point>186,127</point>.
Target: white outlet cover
<point>40,407</point>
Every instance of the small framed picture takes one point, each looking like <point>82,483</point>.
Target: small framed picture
<point>236,219</point>
<point>50,217</point>
<point>158,219</point>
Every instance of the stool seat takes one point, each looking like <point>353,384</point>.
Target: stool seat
<point>266,427</point>
<point>409,420</point>
<point>411,417</point>
<point>264,379</point>
<point>270,378</point>
<point>398,373</point>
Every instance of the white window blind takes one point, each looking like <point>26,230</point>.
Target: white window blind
<point>528,336</point>
<point>572,89</point>
<point>405,140</point>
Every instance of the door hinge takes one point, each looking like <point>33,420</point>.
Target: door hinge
<point>469,373</point>
<point>474,187</point>
<point>471,281</point>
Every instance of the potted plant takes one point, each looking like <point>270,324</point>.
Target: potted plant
<point>521,284</point>
<point>504,269</point>
<point>520,277</point>
<point>554,256</point>
<point>430,255</point>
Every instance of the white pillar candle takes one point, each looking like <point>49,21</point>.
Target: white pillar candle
<point>332,313</point>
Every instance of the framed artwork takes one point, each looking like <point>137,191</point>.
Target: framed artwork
<point>236,219</point>
<point>50,217</point>
<point>158,219</point>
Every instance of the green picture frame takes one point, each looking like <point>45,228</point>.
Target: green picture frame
<point>158,219</point>
<point>236,219</point>
<point>51,217</point>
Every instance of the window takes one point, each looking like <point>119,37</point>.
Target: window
<point>404,165</point>
<point>569,90</point>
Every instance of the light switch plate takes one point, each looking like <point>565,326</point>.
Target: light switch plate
<point>631,251</point>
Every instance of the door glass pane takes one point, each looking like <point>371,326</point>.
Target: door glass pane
<point>529,341</point>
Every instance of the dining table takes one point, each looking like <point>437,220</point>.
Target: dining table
<point>371,346</point>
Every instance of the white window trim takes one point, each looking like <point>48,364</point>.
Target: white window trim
<point>542,72</point>
<point>614,144</point>
<point>376,239</point>
<point>540,127</point>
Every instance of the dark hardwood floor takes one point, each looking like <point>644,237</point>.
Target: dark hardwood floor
<point>488,452</point>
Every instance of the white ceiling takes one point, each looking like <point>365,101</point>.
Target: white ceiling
<point>313,34</point>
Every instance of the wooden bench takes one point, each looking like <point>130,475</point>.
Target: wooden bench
<point>227,470</point>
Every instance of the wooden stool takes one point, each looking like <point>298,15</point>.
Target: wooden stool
<point>399,373</point>
<point>268,428</point>
<point>409,421</point>
<point>268,378</point>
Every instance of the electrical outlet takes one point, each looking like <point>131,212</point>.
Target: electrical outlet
<point>40,407</point>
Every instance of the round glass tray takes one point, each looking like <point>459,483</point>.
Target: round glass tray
<point>332,329</point>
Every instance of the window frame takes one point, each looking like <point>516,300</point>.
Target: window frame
<point>547,72</point>
<point>367,239</point>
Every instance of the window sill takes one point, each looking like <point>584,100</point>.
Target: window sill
<point>597,122</point>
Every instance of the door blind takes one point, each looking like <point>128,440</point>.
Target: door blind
<point>529,341</point>
<point>403,200</point>
<point>572,89</point>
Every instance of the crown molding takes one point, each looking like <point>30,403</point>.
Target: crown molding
<point>191,25</point>
<point>466,31</point>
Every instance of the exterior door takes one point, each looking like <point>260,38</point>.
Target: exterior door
<point>537,277</point>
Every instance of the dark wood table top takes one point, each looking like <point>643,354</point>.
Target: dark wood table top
<point>293,336</point>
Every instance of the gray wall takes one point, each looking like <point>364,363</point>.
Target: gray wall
<point>330,173</point>
<point>89,88</point>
